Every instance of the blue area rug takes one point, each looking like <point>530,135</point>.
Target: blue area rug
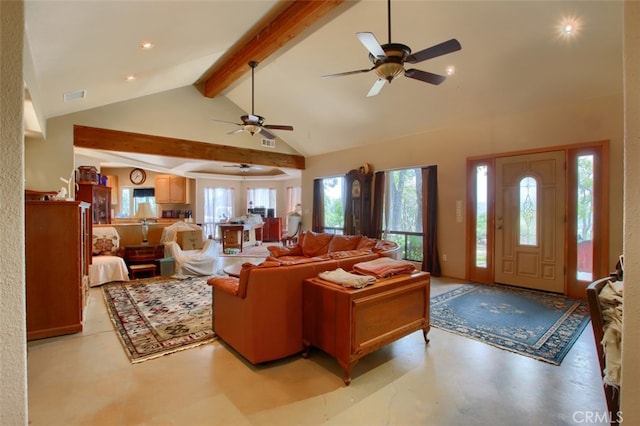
<point>539,325</point>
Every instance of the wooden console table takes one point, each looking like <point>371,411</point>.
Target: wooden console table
<point>351,323</point>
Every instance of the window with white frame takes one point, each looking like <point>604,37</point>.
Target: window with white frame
<point>258,198</point>
<point>131,198</point>
<point>218,204</point>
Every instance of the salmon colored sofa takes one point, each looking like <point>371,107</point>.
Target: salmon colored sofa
<point>259,314</point>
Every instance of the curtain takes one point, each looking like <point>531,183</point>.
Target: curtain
<point>377,212</point>
<point>317,219</point>
<point>430,256</point>
<point>218,204</point>
<point>293,197</point>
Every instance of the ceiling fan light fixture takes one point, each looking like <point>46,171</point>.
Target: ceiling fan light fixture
<point>389,70</point>
<point>251,128</point>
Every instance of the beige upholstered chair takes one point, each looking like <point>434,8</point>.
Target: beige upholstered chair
<point>107,263</point>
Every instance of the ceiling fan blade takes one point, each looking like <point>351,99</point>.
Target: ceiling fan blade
<point>425,76</point>
<point>377,87</point>
<point>224,121</point>
<point>267,134</point>
<point>341,74</point>
<point>233,132</point>
<point>434,51</point>
<point>278,127</point>
<point>371,43</point>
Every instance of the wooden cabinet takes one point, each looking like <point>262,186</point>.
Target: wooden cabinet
<point>57,257</point>
<point>272,229</point>
<point>170,189</point>
<point>350,323</point>
<point>100,198</point>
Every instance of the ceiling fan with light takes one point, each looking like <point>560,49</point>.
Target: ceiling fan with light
<point>252,123</point>
<point>244,167</point>
<point>389,59</point>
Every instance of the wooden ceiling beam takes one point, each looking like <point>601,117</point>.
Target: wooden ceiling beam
<point>119,141</point>
<point>291,22</point>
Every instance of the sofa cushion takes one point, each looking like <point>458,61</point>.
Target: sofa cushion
<point>348,253</point>
<point>344,242</point>
<point>295,260</point>
<point>315,244</point>
<point>277,251</point>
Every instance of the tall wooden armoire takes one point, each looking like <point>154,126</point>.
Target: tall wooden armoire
<point>57,257</point>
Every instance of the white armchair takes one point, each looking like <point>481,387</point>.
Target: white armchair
<point>106,264</point>
<point>294,226</point>
<point>189,262</point>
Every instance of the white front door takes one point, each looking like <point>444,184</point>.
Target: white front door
<point>530,217</point>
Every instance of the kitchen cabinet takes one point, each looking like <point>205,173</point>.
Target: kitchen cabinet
<point>170,189</point>
<point>57,257</point>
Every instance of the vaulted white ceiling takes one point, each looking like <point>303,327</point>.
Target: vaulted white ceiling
<point>512,59</point>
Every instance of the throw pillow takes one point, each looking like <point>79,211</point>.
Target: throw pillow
<point>103,246</point>
<point>366,243</point>
<point>344,242</point>
<point>315,244</point>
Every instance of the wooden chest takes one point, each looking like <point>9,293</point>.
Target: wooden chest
<point>351,323</point>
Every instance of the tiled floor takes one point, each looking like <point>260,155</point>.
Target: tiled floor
<point>86,379</point>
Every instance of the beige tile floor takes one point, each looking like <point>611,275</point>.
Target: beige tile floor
<point>86,379</point>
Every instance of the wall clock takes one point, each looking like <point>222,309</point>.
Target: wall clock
<point>137,176</point>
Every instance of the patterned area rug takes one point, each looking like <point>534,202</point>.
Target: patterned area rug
<point>539,325</point>
<point>159,316</point>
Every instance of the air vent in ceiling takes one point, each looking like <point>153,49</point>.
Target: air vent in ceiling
<point>74,96</point>
<point>268,143</point>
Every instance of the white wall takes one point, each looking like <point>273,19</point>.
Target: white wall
<point>13,354</point>
<point>631,317</point>
<point>597,119</point>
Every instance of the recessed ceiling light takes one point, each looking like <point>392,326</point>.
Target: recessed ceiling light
<point>569,27</point>
<point>146,45</point>
<point>451,70</point>
<point>130,77</point>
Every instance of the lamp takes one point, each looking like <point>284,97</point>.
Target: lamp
<point>144,213</point>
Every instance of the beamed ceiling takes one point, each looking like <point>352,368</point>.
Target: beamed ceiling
<point>513,59</point>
